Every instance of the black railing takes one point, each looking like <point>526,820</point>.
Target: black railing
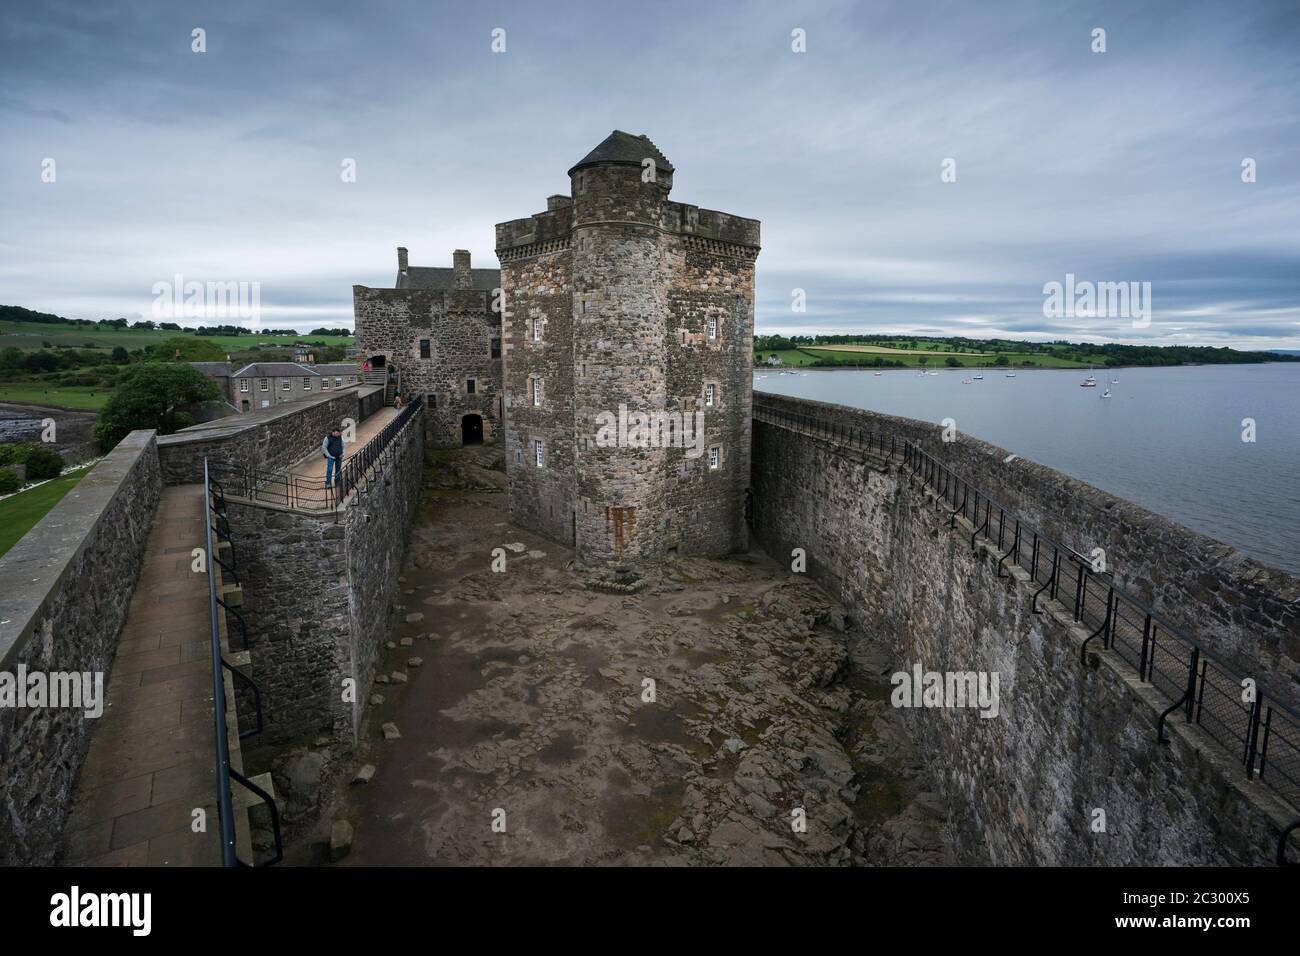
<point>217,530</point>
<point>1263,733</point>
<point>300,492</point>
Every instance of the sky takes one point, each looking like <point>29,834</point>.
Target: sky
<point>228,165</point>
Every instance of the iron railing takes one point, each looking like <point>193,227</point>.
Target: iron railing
<point>1263,733</point>
<point>299,492</point>
<point>217,525</point>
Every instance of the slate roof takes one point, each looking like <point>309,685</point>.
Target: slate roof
<point>337,368</point>
<point>434,277</point>
<point>625,149</point>
<point>274,370</point>
<point>219,369</point>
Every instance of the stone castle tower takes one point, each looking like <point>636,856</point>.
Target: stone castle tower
<point>627,329</point>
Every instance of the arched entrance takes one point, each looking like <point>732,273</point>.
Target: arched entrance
<point>471,430</point>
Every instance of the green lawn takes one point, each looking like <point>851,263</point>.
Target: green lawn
<point>92,398</point>
<point>19,513</point>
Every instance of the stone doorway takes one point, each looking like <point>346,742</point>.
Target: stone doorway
<point>471,430</point>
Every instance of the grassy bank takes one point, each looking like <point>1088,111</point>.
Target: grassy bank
<point>19,513</point>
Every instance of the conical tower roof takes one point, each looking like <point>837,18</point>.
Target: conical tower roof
<point>624,149</point>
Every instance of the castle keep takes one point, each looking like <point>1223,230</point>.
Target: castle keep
<point>435,334</point>
<point>628,326</point>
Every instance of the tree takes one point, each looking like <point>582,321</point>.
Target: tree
<point>953,362</point>
<point>158,395</point>
<point>187,348</point>
<point>120,355</point>
<point>1000,360</point>
<point>923,359</point>
<point>9,482</point>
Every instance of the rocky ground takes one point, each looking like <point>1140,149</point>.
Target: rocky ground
<point>726,713</point>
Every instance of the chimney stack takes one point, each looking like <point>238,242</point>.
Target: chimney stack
<point>460,274</point>
<point>401,258</point>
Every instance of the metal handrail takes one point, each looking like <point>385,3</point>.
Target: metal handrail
<point>1252,729</point>
<point>308,494</point>
<point>225,772</point>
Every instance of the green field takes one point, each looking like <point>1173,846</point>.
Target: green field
<point>19,513</point>
<point>30,335</point>
<point>36,393</point>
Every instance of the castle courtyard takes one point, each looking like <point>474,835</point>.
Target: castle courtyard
<point>530,734</point>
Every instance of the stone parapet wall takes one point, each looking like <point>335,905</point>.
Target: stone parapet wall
<point>1246,613</point>
<point>1070,738</point>
<point>67,587</point>
<point>271,439</point>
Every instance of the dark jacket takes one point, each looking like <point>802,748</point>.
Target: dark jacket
<point>333,446</point>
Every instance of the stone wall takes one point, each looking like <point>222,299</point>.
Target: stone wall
<point>1069,738</point>
<point>270,439</point>
<point>1246,613</point>
<point>317,588</point>
<point>67,586</point>
<point>458,326</point>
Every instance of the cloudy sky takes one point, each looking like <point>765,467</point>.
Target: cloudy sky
<point>226,165</point>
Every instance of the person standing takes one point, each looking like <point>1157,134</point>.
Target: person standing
<point>332,449</point>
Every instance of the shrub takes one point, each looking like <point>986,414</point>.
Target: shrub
<point>9,482</point>
<point>43,463</point>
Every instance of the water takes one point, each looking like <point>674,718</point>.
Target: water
<point>1169,439</point>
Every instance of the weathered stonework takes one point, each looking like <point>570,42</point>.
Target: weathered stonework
<point>316,593</point>
<point>67,587</point>
<point>619,301</point>
<point>1070,738</point>
<point>271,439</point>
<point>439,331</point>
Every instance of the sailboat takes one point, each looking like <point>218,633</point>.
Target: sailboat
<point>1012,373</point>
<point>979,376</point>
<point>1090,381</point>
<point>1106,394</point>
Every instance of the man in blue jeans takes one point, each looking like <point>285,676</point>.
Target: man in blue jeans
<point>332,449</point>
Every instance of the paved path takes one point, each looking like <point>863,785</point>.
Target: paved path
<point>150,761</point>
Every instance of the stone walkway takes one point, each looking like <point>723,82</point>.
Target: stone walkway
<point>529,734</point>
<point>313,466</point>
<point>151,758</point>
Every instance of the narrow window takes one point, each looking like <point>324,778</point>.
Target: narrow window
<point>537,451</point>
<point>713,326</point>
<point>339,381</point>
<point>433,400</point>
<point>715,457</point>
<point>243,384</point>
<point>537,392</point>
<point>266,384</point>
<point>470,386</point>
<point>424,348</point>
<point>496,348</point>
<point>537,330</point>
<point>708,393</point>
<point>306,384</point>
<point>286,385</point>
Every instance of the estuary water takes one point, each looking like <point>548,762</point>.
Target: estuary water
<point>1169,439</point>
